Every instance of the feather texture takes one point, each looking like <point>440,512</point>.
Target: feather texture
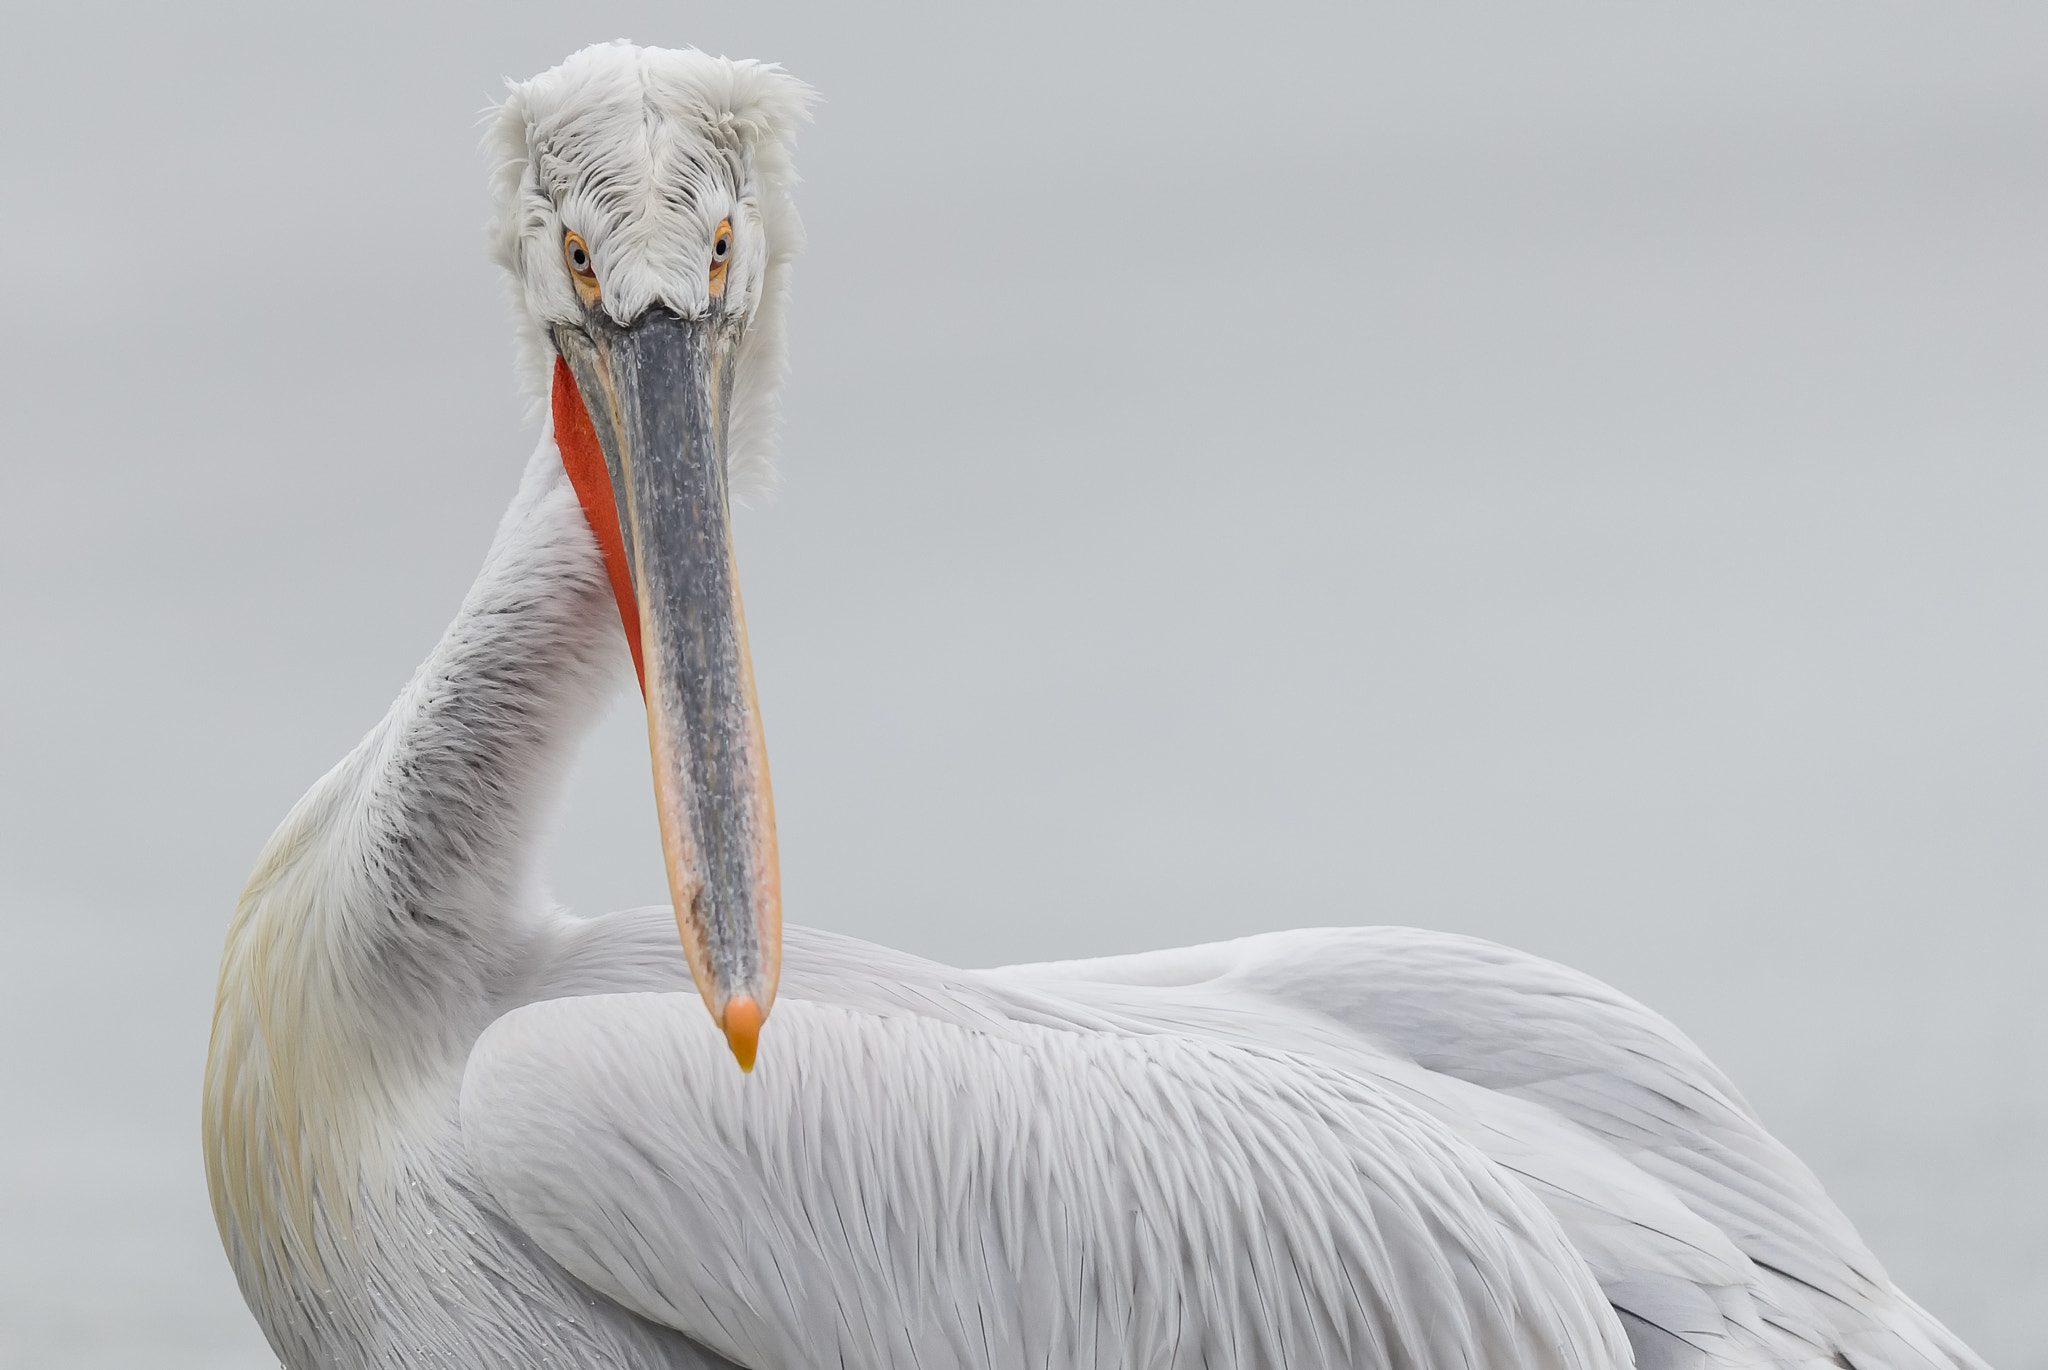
<point>892,1190</point>
<point>642,151</point>
<point>447,1124</point>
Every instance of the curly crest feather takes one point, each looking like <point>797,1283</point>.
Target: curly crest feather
<point>642,151</point>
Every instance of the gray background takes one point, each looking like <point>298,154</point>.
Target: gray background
<point>1575,479</point>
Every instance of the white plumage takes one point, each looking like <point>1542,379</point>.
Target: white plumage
<point>448,1124</point>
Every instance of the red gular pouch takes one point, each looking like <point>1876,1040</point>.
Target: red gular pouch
<point>583,459</point>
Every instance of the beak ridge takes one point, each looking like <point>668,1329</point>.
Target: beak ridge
<point>654,391</point>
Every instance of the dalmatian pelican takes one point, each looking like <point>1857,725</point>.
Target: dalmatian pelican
<point>449,1124</point>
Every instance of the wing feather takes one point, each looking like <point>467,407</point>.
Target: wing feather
<point>1716,1247</point>
<point>894,1188</point>
<point>1719,1247</point>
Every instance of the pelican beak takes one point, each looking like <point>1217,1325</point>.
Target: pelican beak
<point>640,416</point>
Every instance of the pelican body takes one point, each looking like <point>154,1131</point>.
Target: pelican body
<point>449,1124</point>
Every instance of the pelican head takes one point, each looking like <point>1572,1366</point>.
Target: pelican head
<point>643,213</point>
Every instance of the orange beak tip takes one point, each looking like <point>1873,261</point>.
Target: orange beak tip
<point>743,1029</point>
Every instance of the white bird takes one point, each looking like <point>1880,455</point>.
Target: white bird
<point>448,1124</point>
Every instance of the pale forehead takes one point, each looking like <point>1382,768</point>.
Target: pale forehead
<point>631,130</point>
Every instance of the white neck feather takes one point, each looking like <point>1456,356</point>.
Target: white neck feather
<point>391,916</point>
<point>387,916</point>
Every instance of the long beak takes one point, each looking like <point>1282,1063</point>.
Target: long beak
<point>650,397</point>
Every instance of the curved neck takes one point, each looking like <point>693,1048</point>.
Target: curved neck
<point>396,895</point>
<point>389,911</point>
<point>452,789</point>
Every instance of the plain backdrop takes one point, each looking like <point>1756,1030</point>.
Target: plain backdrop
<point>1569,474</point>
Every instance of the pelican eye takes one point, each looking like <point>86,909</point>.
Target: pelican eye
<point>721,253</point>
<point>576,253</point>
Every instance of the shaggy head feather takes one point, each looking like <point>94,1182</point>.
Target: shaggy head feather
<point>642,152</point>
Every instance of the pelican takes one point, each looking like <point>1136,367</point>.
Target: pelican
<point>447,1123</point>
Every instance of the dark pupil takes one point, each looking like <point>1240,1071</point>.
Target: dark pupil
<point>723,244</point>
<point>580,259</point>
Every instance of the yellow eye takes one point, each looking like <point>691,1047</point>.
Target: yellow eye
<point>582,270</point>
<point>721,253</point>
